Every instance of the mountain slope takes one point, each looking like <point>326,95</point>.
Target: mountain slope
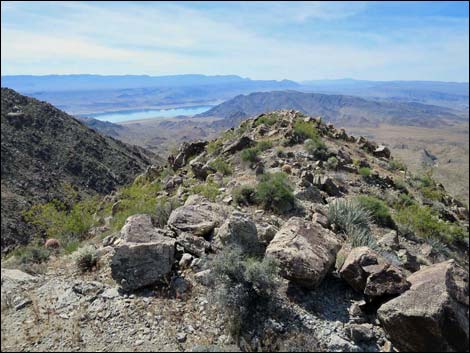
<point>344,110</point>
<point>44,149</point>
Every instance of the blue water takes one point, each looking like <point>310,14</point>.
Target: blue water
<point>117,117</point>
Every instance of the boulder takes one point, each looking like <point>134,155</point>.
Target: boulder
<point>305,250</point>
<point>326,184</point>
<point>139,229</point>
<point>186,151</point>
<point>192,244</point>
<point>352,270</point>
<point>198,216</point>
<point>382,151</point>
<point>309,193</point>
<point>201,171</point>
<point>136,265</point>
<point>433,314</point>
<point>240,230</point>
<point>390,241</point>
<point>238,145</point>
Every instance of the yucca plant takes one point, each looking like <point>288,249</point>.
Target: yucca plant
<point>347,213</point>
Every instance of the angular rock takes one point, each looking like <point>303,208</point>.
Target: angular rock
<point>352,270</point>
<point>326,184</point>
<point>139,229</point>
<point>201,171</point>
<point>309,193</point>
<point>408,260</point>
<point>239,230</point>
<point>433,315</point>
<point>384,280</point>
<point>306,251</point>
<point>198,217</point>
<point>194,245</point>
<point>390,241</point>
<point>238,145</point>
<point>186,151</point>
<point>135,265</point>
<point>266,232</point>
<point>382,151</point>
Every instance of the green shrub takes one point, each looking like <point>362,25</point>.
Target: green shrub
<point>364,172</point>
<point>267,119</point>
<point>274,192</point>
<point>249,155</point>
<point>316,148</point>
<point>214,147</point>
<point>221,166</point>
<point>32,254</point>
<point>264,145</point>
<point>425,223</point>
<point>163,209</point>
<point>395,165</point>
<point>332,163</point>
<point>208,190</point>
<point>305,130</point>
<point>245,288</point>
<point>244,195</point>
<point>378,210</point>
<point>86,258</point>
<point>404,200</point>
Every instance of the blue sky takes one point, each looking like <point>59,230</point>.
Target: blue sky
<point>260,40</point>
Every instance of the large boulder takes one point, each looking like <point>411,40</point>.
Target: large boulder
<point>186,151</point>
<point>136,265</point>
<point>139,229</point>
<point>305,250</point>
<point>198,216</point>
<point>369,273</point>
<point>433,315</point>
<point>240,230</point>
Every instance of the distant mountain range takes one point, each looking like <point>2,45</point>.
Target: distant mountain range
<point>91,94</point>
<point>45,149</point>
<point>340,109</point>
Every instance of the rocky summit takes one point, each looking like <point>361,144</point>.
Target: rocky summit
<point>283,234</point>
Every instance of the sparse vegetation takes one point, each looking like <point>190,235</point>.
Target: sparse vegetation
<point>214,147</point>
<point>425,223</point>
<point>264,145</point>
<point>364,172</point>
<point>209,190</point>
<point>249,155</point>
<point>305,130</point>
<point>86,258</point>
<point>395,165</point>
<point>378,210</point>
<point>267,119</point>
<point>244,195</point>
<point>163,209</point>
<point>332,163</point>
<point>274,192</point>
<point>221,166</point>
<point>245,287</point>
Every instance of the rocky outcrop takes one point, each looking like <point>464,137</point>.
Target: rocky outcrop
<point>433,315</point>
<point>139,229</point>
<point>367,272</point>
<point>185,152</point>
<point>198,218</point>
<point>305,250</point>
<point>239,230</point>
<point>238,145</point>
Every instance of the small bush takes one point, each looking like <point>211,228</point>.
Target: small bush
<point>305,130</point>
<point>214,147</point>
<point>332,163</point>
<point>275,193</point>
<point>86,258</point>
<point>163,209</point>
<point>267,119</point>
<point>245,288</point>
<point>208,190</point>
<point>244,195</point>
<point>32,254</point>
<point>378,209</point>
<point>395,165</point>
<point>425,223</point>
<point>249,155</point>
<point>264,145</point>
<point>221,166</point>
<point>364,172</point>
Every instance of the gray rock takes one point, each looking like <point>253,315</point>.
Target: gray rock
<point>193,245</point>
<point>240,230</point>
<point>390,241</point>
<point>306,251</point>
<point>135,265</point>
<point>186,260</point>
<point>326,184</point>
<point>139,229</point>
<point>433,314</point>
<point>238,145</point>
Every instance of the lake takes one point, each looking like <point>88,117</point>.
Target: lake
<point>116,117</point>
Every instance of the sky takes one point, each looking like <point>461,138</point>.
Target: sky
<point>260,40</point>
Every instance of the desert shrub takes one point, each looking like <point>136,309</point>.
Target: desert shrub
<point>135,199</point>
<point>221,166</point>
<point>274,192</point>
<point>245,287</point>
<point>209,190</point>
<point>400,184</point>
<point>424,222</point>
<point>214,147</point>
<point>332,163</point>
<point>280,151</point>
<point>166,172</point>
<point>267,119</point>
<point>249,155</point>
<point>305,130</point>
<point>395,165</point>
<point>244,195</point>
<point>360,236</point>
<point>364,172</point>
<point>163,209</point>
<point>32,254</point>
<point>316,148</point>
<point>264,145</point>
<point>86,258</point>
<point>378,210</point>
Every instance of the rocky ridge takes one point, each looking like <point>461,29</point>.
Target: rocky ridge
<point>153,287</point>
